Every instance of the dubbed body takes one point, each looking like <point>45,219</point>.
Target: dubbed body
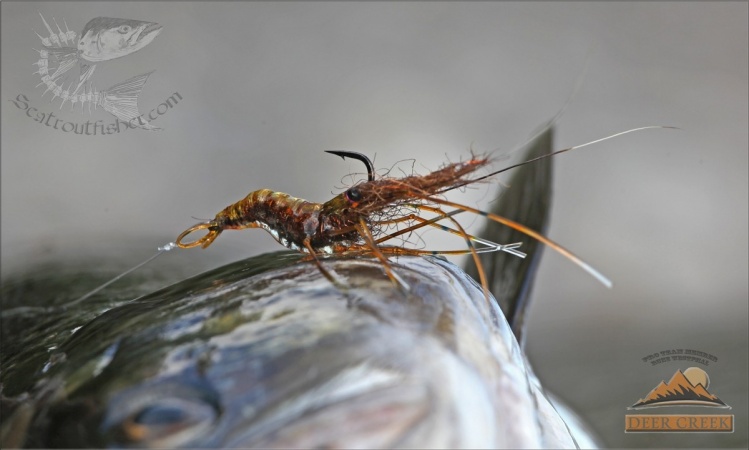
<point>285,217</point>
<point>295,223</point>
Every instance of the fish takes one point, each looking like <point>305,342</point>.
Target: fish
<point>102,39</point>
<point>266,352</point>
<point>106,38</point>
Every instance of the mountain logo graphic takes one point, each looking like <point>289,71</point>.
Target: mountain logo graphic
<point>687,388</point>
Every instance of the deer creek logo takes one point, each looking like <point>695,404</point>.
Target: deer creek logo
<point>684,388</point>
<point>102,39</point>
<point>687,388</point>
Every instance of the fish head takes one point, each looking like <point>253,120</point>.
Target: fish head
<point>267,353</point>
<point>105,38</point>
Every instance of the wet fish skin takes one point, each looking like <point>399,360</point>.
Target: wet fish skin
<point>281,358</point>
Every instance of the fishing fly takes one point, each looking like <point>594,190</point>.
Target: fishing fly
<point>353,221</point>
<point>357,222</point>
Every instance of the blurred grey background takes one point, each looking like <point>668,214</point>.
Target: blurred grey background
<point>266,87</point>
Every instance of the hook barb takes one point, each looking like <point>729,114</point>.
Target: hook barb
<point>358,156</point>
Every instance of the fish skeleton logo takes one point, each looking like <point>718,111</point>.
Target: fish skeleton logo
<point>688,388</point>
<point>102,39</point>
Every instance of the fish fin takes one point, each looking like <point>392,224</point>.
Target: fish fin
<point>121,100</point>
<point>65,65</point>
<point>63,53</point>
<point>528,201</point>
<point>86,71</point>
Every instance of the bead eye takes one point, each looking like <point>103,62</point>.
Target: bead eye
<point>353,195</point>
<point>124,29</point>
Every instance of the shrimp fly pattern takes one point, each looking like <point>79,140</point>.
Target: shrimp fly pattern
<point>357,222</point>
<point>353,222</point>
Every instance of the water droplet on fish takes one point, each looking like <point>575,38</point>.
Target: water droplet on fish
<point>54,359</point>
<point>106,358</point>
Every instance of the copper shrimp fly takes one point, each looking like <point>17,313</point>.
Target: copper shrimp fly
<point>352,222</point>
<point>357,221</point>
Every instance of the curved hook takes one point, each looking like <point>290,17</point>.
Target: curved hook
<point>358,156</point>
<point>205,241</point>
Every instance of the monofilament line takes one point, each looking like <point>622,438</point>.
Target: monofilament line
<point>160,251</point>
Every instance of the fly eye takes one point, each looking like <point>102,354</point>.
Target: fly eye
<point>124,29</point>
<point>353,194</point>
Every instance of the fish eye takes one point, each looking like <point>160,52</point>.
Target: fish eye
<point>166,422</point>
<point>124,29</point>
<point>160,415</point>
<point>169,413</point>
<point>354,194</point>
